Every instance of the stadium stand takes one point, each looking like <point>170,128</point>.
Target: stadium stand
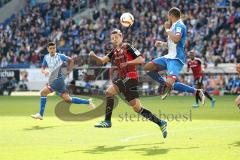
<point>213,27</point>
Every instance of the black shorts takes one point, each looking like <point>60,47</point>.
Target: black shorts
<point>198,81</point>
<point>128,87</point>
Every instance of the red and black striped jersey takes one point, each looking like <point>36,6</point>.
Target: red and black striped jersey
<point>196,66</point>
<point>125,54</point>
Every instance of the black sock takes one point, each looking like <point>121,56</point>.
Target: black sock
<point>198,95</point>
<point>147,114</point>
<point>109,108</point>
<point>207,95</point>
<point>196,98</point>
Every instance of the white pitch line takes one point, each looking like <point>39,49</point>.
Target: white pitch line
<point>174,131</point>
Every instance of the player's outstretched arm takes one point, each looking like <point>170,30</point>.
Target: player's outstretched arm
<point>136,61</point>
<point>101,60</point>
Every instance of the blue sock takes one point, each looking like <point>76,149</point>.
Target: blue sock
<point>155,76</point>
<point>76,100</point>
<point>183,88</point>
<point>42,105</point>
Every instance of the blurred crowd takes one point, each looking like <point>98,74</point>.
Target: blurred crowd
<point>213,30</point>
<point>23,40</point>
<point>3,2</point>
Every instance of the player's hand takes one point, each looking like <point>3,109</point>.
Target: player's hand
<point>123,65</point>
<point>46,73</point>
<point>238,68</point>
<point>158,43</point>
<point>92,54</point>
<point>167,25</point>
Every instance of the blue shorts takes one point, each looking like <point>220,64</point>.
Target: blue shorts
<point>173,66</point>
<point>58,86</point>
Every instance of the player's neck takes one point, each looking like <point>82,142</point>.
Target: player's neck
<point>52,55</point>
<point>175,20</point>
<point>118,47</point>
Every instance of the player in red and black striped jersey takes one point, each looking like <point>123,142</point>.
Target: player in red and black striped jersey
<point>126,58</point>
<point>195,64</point>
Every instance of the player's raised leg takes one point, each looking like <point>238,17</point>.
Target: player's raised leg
<point>110,93</point>
<point>44,92</point>
<point>185,88</point>
<point>137,107</point>
<point>173,68</point>
<point>152,70</point>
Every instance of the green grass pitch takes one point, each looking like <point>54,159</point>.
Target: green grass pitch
<point>204,133</point>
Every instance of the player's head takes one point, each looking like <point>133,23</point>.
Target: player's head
<point>174,14</point>
<point>116,37</point>
<point>191,55</point>
<point>51,47</point>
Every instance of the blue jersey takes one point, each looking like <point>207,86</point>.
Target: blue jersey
<point>55,65</point>
<point>176,50</point>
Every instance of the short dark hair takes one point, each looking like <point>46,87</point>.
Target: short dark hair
<point>51,44</point>
<point>175,12</point>
<point>116,31</point>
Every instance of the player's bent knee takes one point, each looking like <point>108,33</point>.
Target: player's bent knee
<point>67,99</point>
<point>136,108</point>
<point>147,66</point>
<point>108,94</point>
<point>43,93</point>
<point>150,66</point>
<point>133,102</point>
<point>171,79</point>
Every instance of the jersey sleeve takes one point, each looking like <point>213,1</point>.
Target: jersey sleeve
<point>199,61</point>
<point>44,62</point>
<point>110,55</point>
<point>179,30</point>
<point>133,51</point>
<point>64,58</point>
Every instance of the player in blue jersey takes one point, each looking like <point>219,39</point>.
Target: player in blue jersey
<point>55,63</point>
<point>175,59</point>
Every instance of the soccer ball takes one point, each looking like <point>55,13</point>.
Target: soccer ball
<point>126,19</point>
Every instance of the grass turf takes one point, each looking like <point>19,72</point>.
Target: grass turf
<point>204,133</point>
